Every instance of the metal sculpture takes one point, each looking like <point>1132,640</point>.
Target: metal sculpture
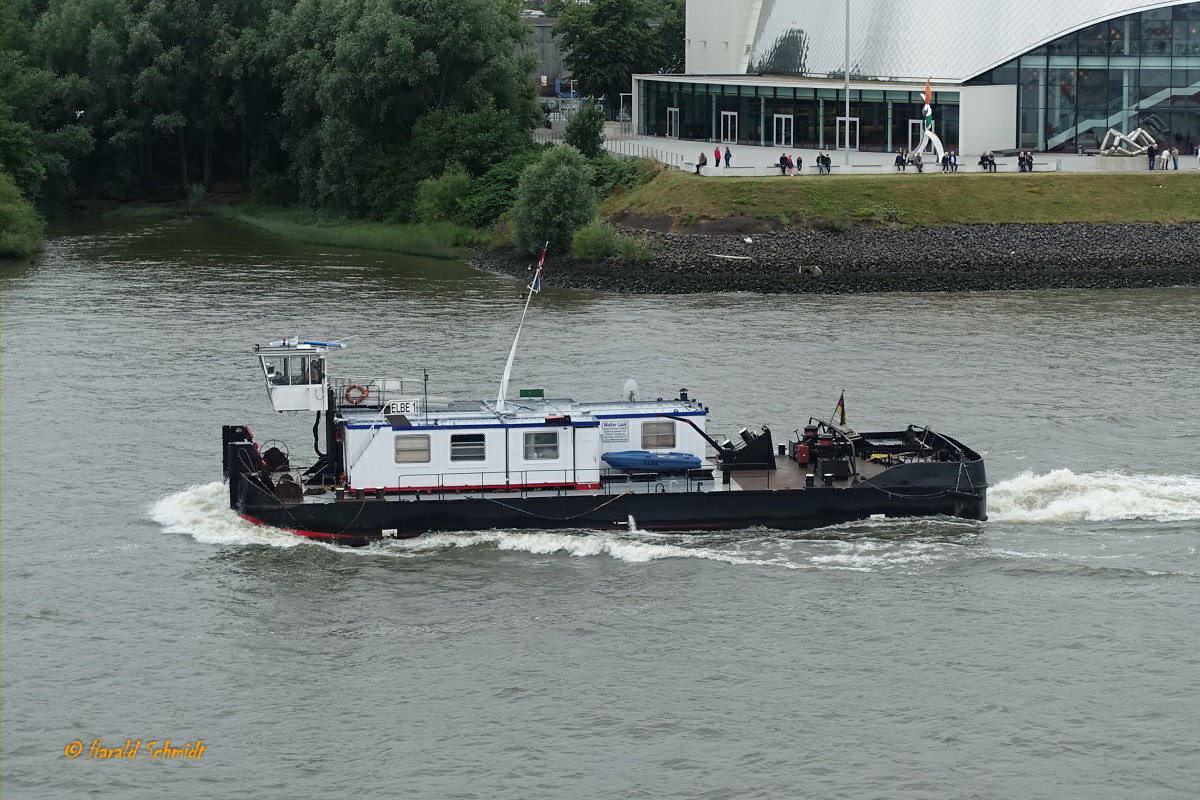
<point>1134,143</point>
<point>928,137</point>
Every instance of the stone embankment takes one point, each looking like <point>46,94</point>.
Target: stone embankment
<point>865,259</point>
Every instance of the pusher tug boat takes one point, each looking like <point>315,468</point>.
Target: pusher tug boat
<point>398,463</point>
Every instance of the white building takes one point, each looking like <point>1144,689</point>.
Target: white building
<point>1005,74</point>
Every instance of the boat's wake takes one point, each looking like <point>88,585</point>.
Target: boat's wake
<point>203,513</point>
<point>1063,496</point>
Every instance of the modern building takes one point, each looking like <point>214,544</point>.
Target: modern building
<point>1006,74</point>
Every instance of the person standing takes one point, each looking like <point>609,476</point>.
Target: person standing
<point>716,157</point>
<point>1152,154</point>
<point>728,155</point>
<point>1175,156</point>
<point>791,166</point>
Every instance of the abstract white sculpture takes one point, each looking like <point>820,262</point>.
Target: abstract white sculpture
<point>1135,143</point>
<point>927,135</point>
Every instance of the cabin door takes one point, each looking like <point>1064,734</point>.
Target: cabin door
<point>783,130</point>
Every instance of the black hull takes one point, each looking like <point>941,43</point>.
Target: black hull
<point>915,491</point>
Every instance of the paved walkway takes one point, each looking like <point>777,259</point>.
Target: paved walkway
<point>682,153</point>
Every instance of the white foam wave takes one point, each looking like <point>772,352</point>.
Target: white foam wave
<point>203,512</point>
<point>1063,496</point>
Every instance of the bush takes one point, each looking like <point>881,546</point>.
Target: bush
<point>493,194</point>
<point>554,199</point>
<point>595,241</point>
<point>614,172</point>
<point>585,131</point>
<point>441,199</point>
<point>194,203</point>
<point>20,227</point>
<point>598,240</point>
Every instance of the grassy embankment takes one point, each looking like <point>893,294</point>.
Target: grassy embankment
<point>962,198</point>
<point>439,240</point>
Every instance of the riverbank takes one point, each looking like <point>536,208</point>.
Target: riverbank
<point>682,202</point>
<point>873,259</point>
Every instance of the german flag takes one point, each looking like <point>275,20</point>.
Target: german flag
<point>839,413</point>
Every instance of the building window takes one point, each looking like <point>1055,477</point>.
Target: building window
<point>541,446</point>
<point>657,435</point>
<point>467,447</point>
<point>412,449</point>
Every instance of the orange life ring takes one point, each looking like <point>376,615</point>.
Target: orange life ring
<point>355,393</point>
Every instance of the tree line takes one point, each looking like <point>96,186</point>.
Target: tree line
<point>341,105</point>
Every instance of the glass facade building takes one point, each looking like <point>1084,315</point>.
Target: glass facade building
<point>1019,74</point>
<point>1137,71</point>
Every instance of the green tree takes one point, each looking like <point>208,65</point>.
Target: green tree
<point>440,199</point>
<point>607,41</point>
<point>554,199</point>
<point>585,131</point>
<point>20,226</point>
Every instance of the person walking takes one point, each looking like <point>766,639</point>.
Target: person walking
<point>1175,156</point>
<point>728,155</point>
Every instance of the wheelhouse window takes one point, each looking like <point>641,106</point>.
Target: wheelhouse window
<point>293,370</point>
<point>412,449</point>
<point>467,447</point>
<point>657,435</point>
<point>541,445</point>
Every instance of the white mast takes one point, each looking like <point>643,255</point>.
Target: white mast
<point>534,286</point>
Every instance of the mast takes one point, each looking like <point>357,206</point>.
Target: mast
<point>535,286</point>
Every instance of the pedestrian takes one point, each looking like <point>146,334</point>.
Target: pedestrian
<point>783,164</point>
<point>1021,161</point>
<point>791,166</point>
<point>728,155</point>
<point>919,162</point>
<point>899,160</point>
<point>716,157</point>
<point>828,163</point>
<point>1152,154</point>
<point>799,164</point>
<point>945,162</point>
<point>1164,156</point>
<point>1029,161</point>
<point>1175,156</point>
<point>991,161</point>
<point>953,161</point>
<point>701,162</point>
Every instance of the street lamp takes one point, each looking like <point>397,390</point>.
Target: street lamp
<point>847,87</point>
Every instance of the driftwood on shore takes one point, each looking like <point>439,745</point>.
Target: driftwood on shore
<point>862,259</point>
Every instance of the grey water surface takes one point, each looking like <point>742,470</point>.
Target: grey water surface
<point>1048,653</point>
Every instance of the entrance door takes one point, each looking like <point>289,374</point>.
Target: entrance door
<point>729,126</point>
<point>783,130</point>
<point>847,131</point>
<point>916,129</point>
<point>672,123</point>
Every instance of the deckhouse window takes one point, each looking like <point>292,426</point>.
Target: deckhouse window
<point>412,449</point>
<point>657,435</point>
<point>467,447</point>
<point>541,445</point>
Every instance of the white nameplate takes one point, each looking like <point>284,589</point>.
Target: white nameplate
<point>409,406</point>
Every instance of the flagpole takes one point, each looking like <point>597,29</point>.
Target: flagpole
<point>501,405</point>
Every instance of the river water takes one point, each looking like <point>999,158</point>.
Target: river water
<point>1048,653</point>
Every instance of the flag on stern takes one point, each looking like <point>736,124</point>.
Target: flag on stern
<point>839,413</point>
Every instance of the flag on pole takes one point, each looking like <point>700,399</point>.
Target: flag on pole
<point>839,413</point>
<point>537,275</point>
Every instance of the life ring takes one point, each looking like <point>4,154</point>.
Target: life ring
<point>355,393</point>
